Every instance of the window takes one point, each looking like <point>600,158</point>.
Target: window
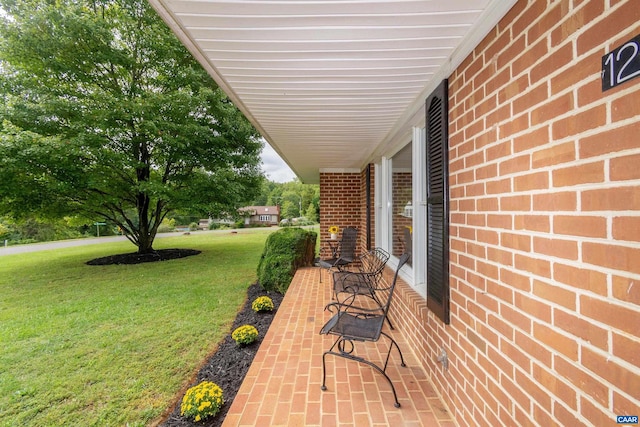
<point>437,145</point>
<point>265,218</point>
<point>412,205</point>
<point>394,218</point>
<point>402,202</point>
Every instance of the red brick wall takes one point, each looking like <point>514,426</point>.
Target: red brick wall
<point>545,225</point>
<point>341,204</point>
<point>545,220</point>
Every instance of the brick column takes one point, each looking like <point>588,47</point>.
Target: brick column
<point>340,204</point>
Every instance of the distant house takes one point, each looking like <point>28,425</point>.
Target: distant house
<point>204,224</point>
<point>260,215</point>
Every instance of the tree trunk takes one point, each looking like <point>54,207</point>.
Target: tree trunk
<point>146,236</point>
<point>145,243</point>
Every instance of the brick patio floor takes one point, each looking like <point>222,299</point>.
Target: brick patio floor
<point>282,387</point>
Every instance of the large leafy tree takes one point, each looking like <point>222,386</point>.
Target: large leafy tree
<point>105,114</point>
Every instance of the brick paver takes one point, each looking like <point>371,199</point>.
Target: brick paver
<point>282,387</point>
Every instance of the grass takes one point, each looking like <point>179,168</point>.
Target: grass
<point>112,345</point>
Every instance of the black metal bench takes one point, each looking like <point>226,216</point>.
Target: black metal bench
<point>367,280</point>
<point>352,323</point>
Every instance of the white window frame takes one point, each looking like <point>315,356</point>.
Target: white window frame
<point>419,193</point>
<point>385,204</point>
<point>414,275</point>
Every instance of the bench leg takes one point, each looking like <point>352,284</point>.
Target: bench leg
<point>348,354</point>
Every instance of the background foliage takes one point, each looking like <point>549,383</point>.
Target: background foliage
<point>34,229</point>
<point>291,196</point>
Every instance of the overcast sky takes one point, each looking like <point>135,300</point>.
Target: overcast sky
<point>274,167</point>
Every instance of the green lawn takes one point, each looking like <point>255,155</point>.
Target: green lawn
<point>112,345</point>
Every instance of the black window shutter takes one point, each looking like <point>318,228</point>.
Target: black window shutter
<point>437,124</point>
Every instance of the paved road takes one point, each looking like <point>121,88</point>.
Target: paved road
<point>45,246</point>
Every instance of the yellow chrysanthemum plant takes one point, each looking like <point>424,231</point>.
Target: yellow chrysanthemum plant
<point>263,303</point>
<point>334,229</point>
<point>245,335</point>
<point>202,401</point>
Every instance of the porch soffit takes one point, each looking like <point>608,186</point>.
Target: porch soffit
<point>331,84</point>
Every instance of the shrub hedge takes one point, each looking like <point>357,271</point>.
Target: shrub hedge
<point>285,251</point>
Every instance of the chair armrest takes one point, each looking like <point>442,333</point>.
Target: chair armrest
<point>356,277</point>
<point>340,307</point>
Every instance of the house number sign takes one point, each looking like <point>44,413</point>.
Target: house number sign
<point>621,64</point>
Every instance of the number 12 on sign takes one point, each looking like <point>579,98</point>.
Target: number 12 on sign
<point>621,64</point>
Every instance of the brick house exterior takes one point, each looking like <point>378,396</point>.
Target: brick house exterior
<point>544,175</point>
<point>538,214</point>
<point>261,215</point>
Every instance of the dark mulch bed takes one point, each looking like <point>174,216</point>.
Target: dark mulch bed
<point>136,258</point>
<point>228,366</point>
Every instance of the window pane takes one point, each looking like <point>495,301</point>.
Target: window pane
<point>402,210</point>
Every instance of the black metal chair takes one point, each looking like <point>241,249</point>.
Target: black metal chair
<point>351,324</point>
<point>344,254</point>
<point>367,279</point>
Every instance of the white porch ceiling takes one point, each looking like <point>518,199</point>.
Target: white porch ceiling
<point>332,84</point>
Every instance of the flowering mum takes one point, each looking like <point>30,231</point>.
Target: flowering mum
<point>263,303</point>
<point>244,335</point>
<point>334,229</point>
<point>202,401</point>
